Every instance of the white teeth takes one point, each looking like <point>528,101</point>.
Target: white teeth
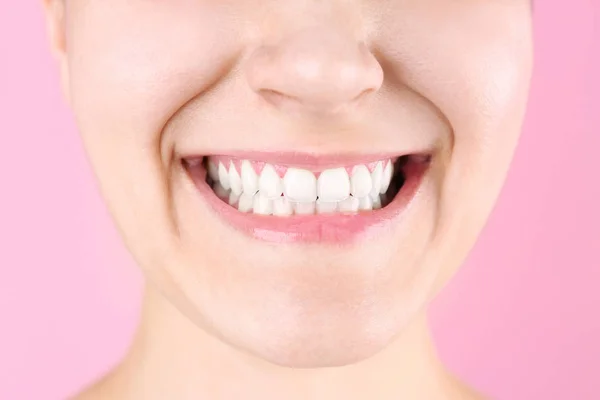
<point>361,181</point>
<point>282,207</point>
<point>333,185</point>
<point>300,192</point>
<point>234,180</point>
<point>224,176</point>
<point>365,203</point>
<point>305,208</point>
<point>233,198</point>
<point>263,205</point>
<point>300,185</point>
<point>388,172</point>
<point>249,178</point>
<point>246,202</point>
<point>213,171</point>
<point>269,183</point>
<point>376,202</point>
<point>349,205</point>
<point>326,207</point>
<point>376,177</point>
<point>220,191</point>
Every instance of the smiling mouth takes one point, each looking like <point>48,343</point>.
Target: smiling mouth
<point>291,201</point>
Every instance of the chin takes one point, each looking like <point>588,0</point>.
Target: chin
<point>345,340</point>
<point>317,319</point>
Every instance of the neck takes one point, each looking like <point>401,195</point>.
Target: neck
<point>172,358</point>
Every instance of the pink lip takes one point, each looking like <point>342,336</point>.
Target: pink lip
<point>312,162</point>
<point>334,228</point>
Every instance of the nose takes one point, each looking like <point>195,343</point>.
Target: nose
<point>318,71</point>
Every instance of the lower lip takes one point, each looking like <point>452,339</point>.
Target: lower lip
<point>318,228</point>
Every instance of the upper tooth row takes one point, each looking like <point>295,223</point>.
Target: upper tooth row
<point>301,185</point>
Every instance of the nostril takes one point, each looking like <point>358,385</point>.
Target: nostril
<point>363,95</point>
<point>285,101</point>
<point>276,98</point>
<point>318,70</point>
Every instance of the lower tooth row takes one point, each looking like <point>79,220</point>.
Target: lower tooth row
<point>281,206</point>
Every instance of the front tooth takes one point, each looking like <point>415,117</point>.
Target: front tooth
<point>326,207</point>
<point>263,205</point>
<point>333,185</point>
<point>234,180</point>
<point>305,208</point>
<point>282,207</point>
<point>388,172</point>
<point>224,176</point>
<point>365,203</point>
<point>213,171</point>
<point>361,181</point>
<point>249,178</point>
<point>349,205</point>
<point>376,177</point>
<point>300,185</point>
<point>246,202</point>
<point>269,183</point>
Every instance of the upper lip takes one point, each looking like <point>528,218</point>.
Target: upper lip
<point>310,161</point>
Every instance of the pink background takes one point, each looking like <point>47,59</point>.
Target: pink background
<point>521,320</point>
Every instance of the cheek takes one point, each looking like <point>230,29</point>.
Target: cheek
<point>475,70</point>
<point>134,63</point>
<point>471,61</point>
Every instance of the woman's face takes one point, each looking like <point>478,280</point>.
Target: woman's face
<point>299,100</point>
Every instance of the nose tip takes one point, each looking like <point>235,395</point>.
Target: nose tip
<point>316,70</point>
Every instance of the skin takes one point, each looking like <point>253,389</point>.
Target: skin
<point>149,81</point>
